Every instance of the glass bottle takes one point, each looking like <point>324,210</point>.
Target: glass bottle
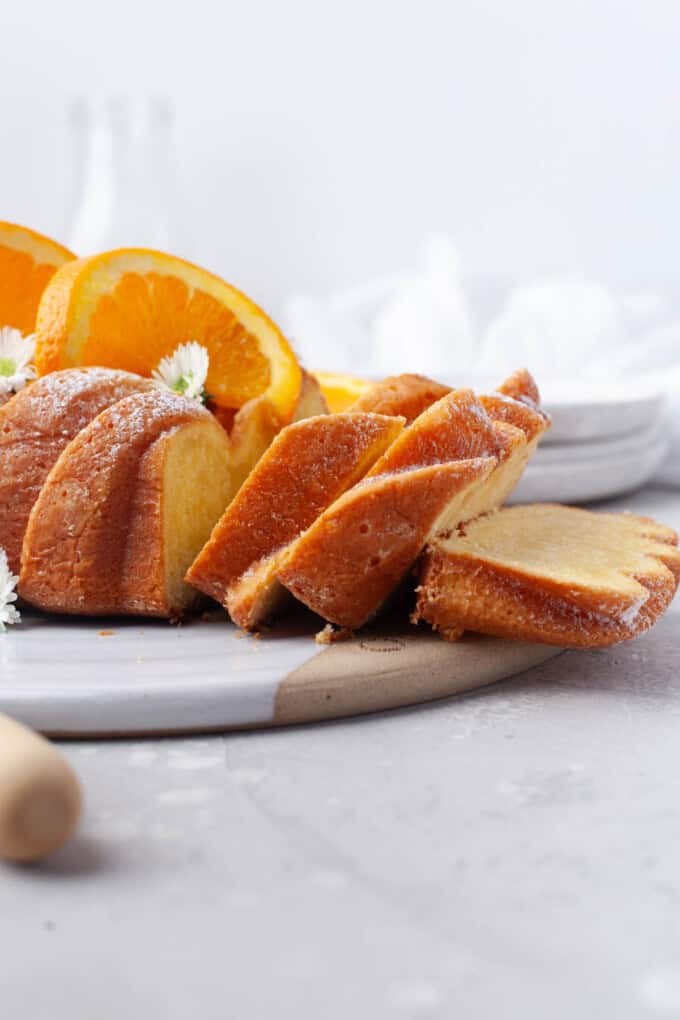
<point>125,192</point>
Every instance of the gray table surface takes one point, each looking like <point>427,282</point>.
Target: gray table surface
<point>509,853</point>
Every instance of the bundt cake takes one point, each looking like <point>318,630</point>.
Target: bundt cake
<point>117,498</point>
<point>306,468</point>
<point>125,509</point>
<point>345,565</point>
<point>552,574</point>
<point>35,427</point>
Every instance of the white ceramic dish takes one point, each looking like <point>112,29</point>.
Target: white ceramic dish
<point>582,412</point>
<point>633,446</point>
<point>582,479</point>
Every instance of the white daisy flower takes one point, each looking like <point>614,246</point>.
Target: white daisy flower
<point>8,583</point>
<point>16,354</point>
<point>185,371</point>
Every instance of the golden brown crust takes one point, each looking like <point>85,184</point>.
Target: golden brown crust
<point>461,591</point>
<point>355,554</point>
<point>521,386</point>
<point>309,464</point>
<point>403,395</point>
<point>36,426</point>
<point>531,420</point>
<point>454,428</point>
<point>253,428</point>
<point>94,543</point>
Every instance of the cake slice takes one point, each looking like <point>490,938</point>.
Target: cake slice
<point>521,386</point>
<point>347,563</point>
<point>358,552</point>
<point>35,427</point>
<point>516,403</point>
<point>550,574</point>
<point>407,395</point>
<point>257,423</point>
<point>125,509</point>
<point>306,468</point>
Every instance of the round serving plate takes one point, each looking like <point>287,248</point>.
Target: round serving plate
<point>633,446</point>
<point>79,677</point>
<point>583,411</point>
<point>584,478</point>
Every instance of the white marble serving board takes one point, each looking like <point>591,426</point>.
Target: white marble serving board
<point>78,677</point>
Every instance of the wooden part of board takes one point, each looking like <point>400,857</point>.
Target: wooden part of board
<point>376,672</point>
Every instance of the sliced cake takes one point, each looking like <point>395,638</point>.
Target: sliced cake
<point>306,468</point>
<point>346,564</point>
<point>551,574</point>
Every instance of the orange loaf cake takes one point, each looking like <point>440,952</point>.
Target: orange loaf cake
<point>35,427</point>
<point>126,508</point>
<point>552,574</point>
<point>346,564</point>
<point>306,468</point>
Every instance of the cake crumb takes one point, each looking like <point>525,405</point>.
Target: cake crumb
<point>211,616</point>
<point>330,635</point>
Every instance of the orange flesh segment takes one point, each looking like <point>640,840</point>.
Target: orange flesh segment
<point>341,391</point>
<point>147,317</point>
<point>28,261</point>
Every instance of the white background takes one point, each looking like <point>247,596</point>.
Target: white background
<point>319,142</point>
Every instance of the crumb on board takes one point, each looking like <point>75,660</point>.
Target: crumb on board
<point>330,635</point>
<point>106,633</point>
<point>212,616</point>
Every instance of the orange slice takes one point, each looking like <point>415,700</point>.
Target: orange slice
<point>340,390</point>
<point>28,261</point>
<point>130,308</point>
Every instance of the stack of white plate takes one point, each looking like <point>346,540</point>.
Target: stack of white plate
<point>604,442</point>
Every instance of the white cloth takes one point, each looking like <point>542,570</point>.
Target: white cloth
<point>564,329</point>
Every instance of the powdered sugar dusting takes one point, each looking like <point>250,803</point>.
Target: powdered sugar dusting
<point>630,615</point>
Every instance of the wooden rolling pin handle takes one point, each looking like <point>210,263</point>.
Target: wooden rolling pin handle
<point>40,798</point>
